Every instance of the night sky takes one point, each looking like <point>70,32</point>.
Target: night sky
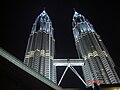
<point>19,15</point>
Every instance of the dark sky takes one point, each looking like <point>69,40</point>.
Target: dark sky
<point>18,16</point>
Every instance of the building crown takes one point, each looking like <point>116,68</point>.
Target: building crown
<point>41,23</point>
<point>82,23</point>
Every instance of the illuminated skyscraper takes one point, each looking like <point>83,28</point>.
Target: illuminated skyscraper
<point>40,51</point>
<point>40,48</point>
<point>98,66</point>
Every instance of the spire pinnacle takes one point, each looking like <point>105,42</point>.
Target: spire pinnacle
<point>44,8</point>
<point>43,13</point>
<point>74,9</point>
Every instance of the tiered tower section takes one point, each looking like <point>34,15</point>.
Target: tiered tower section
<point>98,66</point>
<point>40,48</point>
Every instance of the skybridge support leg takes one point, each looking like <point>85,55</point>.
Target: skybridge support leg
<point>73,69</point>
<point>63,74</point>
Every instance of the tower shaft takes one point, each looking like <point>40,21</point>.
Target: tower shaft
<point>40,48</point>
<point>99,66</point>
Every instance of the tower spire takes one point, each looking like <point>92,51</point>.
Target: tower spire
<point>41,22</point>
<point>74,9</point>
<point>44,8</point>
<point>85,26</point>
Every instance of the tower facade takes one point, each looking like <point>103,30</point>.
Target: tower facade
<point>40,48</point>
<point>98,65</point>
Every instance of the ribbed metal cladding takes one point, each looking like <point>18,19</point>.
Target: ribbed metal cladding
<point>98,63</point>
<point>40,48</point>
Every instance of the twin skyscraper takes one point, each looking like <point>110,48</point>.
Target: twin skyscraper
<point>96,63</point>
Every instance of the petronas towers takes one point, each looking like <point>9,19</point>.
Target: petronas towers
<point>40,48</point>
<point>96,63</point>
